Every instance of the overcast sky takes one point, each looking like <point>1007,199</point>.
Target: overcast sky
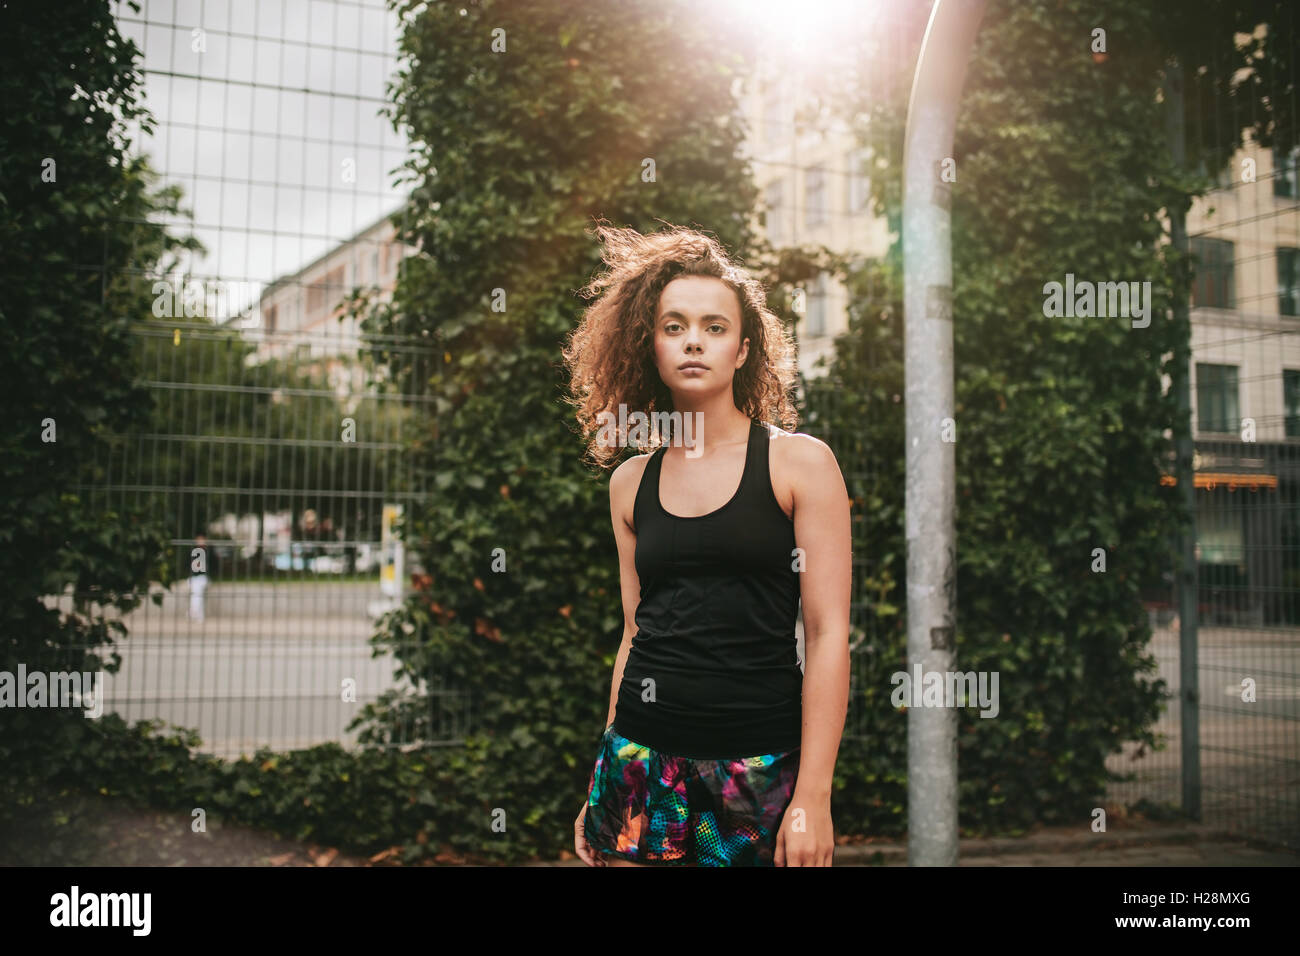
<point>261,119</point>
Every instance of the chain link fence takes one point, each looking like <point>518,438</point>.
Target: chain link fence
<point>275,454</point>
<point>1245,395</point>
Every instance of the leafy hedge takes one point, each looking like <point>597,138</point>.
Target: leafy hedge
<point>72,211</point>
<point>525,148</point>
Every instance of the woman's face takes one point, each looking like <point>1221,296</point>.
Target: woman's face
<point>697,335</point>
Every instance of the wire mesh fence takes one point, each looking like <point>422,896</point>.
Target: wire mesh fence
<point>1246,420</point>
<point>280,485</point>
<point>275,453</point>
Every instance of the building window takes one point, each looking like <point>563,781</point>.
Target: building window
<point>1214,284</point>
<point>315,297</point>
<point>1288,281</point>
<point>775,200</point>
<point>1284,173</point>
<point>858,190</point>
<point>392,260</point>
<point>1291,399</point>
<point>323,294</point>
<point>270,318</point>
<point>1219,537</point>
<point>1221,176</point>
<point>815,197</point>
<point>1216,398</point>
<point>772,118</point>
<point>817,307</point>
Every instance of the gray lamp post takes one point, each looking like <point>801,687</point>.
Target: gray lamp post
<point>928,170</point>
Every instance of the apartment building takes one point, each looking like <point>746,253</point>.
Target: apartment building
<point>1245,385</point>
<point>298,315</point>
<point>814,186</point>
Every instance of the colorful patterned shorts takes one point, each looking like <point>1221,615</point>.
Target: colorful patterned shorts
<point>655,808</point>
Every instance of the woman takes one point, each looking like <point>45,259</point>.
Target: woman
<point>718,751</point>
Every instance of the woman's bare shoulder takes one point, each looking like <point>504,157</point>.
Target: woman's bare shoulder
<point>627,476</point>
<point>800,451</point>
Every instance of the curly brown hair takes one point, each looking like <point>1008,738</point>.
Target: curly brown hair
<point>610,355</point>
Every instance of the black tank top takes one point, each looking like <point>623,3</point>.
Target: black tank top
<point>715,623</point>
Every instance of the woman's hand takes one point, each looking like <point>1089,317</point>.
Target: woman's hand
<point>585,852</point>
<point>806,836</point>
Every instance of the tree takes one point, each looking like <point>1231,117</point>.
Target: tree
<point>75,219</point>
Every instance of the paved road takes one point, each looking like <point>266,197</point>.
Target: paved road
<point>1250,752</point>
<point>265,668</point>
<point>243,692</point>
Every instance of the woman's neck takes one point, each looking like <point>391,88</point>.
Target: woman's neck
<point>712,426</point>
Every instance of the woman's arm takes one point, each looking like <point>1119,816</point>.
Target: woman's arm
<point>822,531</point>
<point>623,484</point>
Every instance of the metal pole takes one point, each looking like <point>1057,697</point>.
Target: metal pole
<point>1189,675</point>
<point>928,168</point>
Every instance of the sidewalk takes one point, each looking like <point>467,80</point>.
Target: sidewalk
<point>1146,845</point>
<point>120,835</point>
<point>1141,845</point>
